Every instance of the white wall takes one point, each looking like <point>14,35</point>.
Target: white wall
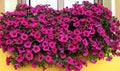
<point>10,5</point>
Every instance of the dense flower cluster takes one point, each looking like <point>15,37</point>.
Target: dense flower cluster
<point>66,37</point>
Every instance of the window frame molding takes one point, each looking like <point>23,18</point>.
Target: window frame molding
<point>60,3</point>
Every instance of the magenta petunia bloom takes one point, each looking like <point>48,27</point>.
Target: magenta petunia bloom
<point>86,33</point>
<point>59,64</point>
<point>54,50</point>
<point>68,68</point>
<point>101,55</point>
<point>8,60</point>
<point>21,50</point>
<point>27,44</point>
<point>45,44</point>
<point>109,58</point>
<point>93,61</point>
<point>16,66</point>
<point>46,48</point>
<point>34,64</point>
<point>75,40</point>
<point>49,59</point>
<point>77,32</point>
<point>70,60</point>
<point>20,58</point>
<point>37,35</point>
<point>52,44</point>
<point>113,29</point>
<point>19,41</point>
<point>85,42</point>
<point>13,34</point>
<point>8,42</point>
<point>71,47</point>
<point>24,36</point>
<point>79,65</point>
<point>29,56</point>
<point>41,39</point>
<point>64,39</point>
<point>10,49</point>
<point>85,52</point>
<point>40,57</point>
<point>62,55</point>
<point>36,49</point>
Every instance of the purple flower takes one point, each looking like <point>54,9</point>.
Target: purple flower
<point>8,42</point>
<point>25,23</point>
<point>34,64</point>
<point>77,32</point>
<point>75,40</point>
<point>27,44</point>
<point>93,61</point>
<point>114,29</point>
<point>99,47</point>
<point>46,48</point>
<point>64,39</point>
<point>41,39</point>
<point>29,56</point>
<point>88,13</point>
<point>8,60</point>
<point>52,44</point>
<point>24,36</point>
<point>59,64</point>
<point>70,60</point>
<point>19,58</point>
<point>40,57</point>
<point>68,68</point>
<point>10,49</point>
<point>49,59</point>
<point>45,44</point>
<point>19,41</point>
<point>37,35</point>
<point>76,24</point>
<point>62,55</point>
<point>85,42</point>
<point>71,47</point>
<point>101,55</point>
<point>109,58</point>
<point>54,50</point>
<point>16,66</point>
<point>66,19</point>
<point>21,50</point>
<point>36,49</point>
<point>85,52</point>
<point>86,33</point>
<point>78,65</point>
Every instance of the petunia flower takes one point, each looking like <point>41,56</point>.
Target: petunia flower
<point>40,57</point>
<point>36,49</point>
<point>49,59</point>
<point>19,58</point>
<point>29,56</point>
<point>101,55</point>
<point>24,36</point>
<point>27,44</point>
<point>68,68</point>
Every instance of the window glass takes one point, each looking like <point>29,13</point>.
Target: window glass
<point>53,3</point>
<point>69,3</point>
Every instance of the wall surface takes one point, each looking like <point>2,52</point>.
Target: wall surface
<point>101,65</point>
<point>117,8</point>
<point>2,6</point>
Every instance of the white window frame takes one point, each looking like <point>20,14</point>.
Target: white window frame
<point>60,4</point>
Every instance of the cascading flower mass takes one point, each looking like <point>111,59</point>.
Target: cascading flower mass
<point>67,37</point>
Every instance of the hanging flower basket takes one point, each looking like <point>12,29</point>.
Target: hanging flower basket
<point>41,35</point>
